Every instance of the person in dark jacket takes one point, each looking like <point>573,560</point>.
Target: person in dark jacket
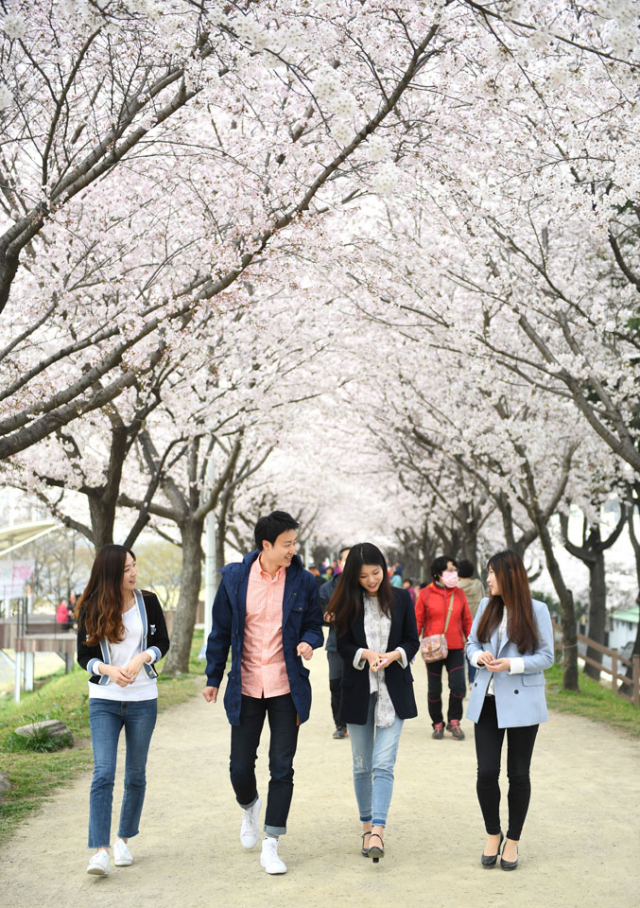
<point>333,656</point>
<point>121,634</point>
<point>377,638</point>
<point>267,611</point>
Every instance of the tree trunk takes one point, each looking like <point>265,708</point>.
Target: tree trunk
<point>506,512</point>
<point>570,639</point>
<point>469,539</point>
<point>429,546</point>
<point>190,582</point>
<point>103,517</point>
<point>103,499</point>
<point>597,610</point>
<point>591,553</point>
<point>519,546</point>
<point>628,688</point>
<point>221,534</point>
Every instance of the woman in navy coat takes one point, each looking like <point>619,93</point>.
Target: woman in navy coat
<point>511,644</point>
<point>377,639</point>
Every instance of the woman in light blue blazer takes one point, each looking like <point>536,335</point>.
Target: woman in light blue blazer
<point>511,644</point>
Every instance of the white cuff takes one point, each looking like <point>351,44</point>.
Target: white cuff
<point>474,658</point>
<point>403,656</point>
<point>358,661</point>
<point>516,665</point>
<point>154,652</point>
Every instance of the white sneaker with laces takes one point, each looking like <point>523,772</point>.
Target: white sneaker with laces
<point>99,863</point>
<point>122,857</point>
<point>249,832</point>
<point>269,857</point>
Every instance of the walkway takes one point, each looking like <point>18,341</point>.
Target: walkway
<point>580,849</point>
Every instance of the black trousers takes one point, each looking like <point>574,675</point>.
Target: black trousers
<point>335,682</point>
<point>245,738</point>
<point>455,670</point>
<point>520,741</point>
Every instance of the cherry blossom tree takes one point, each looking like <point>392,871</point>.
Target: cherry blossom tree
<point>233,139</point>
<point>452,182</point>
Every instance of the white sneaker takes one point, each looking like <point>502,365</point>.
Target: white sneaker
<point>249,832</point>
<point>99,863</point>
<point>269,857</point>
<point>122,857</point>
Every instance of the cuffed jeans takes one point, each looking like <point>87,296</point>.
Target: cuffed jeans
<point>245,738</point>
<point>374,757</point>
<point>107,718</point>
<point>489,740</point>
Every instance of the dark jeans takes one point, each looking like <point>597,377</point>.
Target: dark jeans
<point>245,738</point>
<point>455,670</point>
<point>520,743</point>
<point>472,672</point>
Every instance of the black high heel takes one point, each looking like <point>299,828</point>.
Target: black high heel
<point>365,851</point>
<point>376,851</point>
<point>490,860</point>
<point>509,865</point>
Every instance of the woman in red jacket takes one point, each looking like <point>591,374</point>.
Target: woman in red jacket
<point>432,609</point>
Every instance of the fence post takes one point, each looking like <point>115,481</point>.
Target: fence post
<point>636,681</point>
<point>614,669</point>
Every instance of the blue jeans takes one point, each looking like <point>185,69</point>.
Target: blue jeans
<point>374,756</point>
<point>107,717</point>
<point>245,738</point>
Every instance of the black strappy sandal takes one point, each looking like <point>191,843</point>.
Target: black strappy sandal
<point>365,851</point>
<point>376,851</point>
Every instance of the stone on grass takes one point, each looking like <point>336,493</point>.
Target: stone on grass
<point>53,727</point>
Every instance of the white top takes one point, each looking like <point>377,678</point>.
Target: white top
<point>516,666</point>
<point>376,628</point>
<point>144,687</point>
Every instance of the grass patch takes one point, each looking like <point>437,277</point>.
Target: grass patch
<point>592,701</point>
<point>34,776</point>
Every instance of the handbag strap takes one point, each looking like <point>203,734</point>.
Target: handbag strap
<point>446,624</point>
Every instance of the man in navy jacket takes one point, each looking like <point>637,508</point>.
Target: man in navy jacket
<point>267,610</point>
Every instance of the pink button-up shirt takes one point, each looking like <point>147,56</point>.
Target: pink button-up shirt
<point>263,667</point>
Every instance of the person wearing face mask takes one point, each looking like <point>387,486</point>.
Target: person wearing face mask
<point>377,638</point>
<point>442,608</point>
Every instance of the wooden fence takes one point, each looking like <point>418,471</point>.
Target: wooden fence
<point>617,663</point>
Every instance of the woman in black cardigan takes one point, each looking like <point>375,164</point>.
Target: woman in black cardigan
<point>121,633</point>
<point>377,639</point>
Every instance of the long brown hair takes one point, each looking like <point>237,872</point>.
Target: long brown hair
<point>346,602</point>
<point>515,594</point>
<point>100,604</point>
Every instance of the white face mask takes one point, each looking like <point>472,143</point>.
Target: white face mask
<point>450,579</point>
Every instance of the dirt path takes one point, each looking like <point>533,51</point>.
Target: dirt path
<point>580,848</point>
